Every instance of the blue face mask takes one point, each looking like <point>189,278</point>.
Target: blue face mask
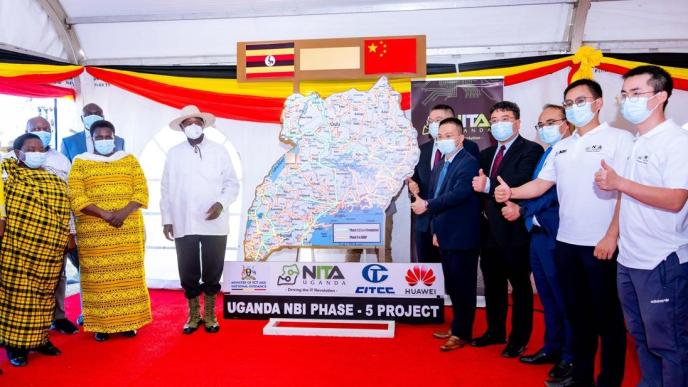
<point>502,130</point>
<point>104,147</point>
<point>44,136</point>
<point>434,129</point>
<point>550,134</point>
<point>580,115</point>
<point>34,160</point>
<point>446,146</point>
<point>89,120</point>
<point>636,111</point>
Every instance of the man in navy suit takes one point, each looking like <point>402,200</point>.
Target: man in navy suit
<point>81,142</point>
<point>454,210</point>
<point>504,256</point>
<point>419,185</point>
<point>541,216</point>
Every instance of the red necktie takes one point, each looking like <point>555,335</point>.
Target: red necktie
<point>497,162</point>
<point>438,157</point>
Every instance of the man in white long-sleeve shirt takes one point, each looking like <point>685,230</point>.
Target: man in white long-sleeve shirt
<point>198,185</point>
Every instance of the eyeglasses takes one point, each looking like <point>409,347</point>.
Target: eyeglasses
<point>632,97</point>
<point>541,125</point>
<point>580,101</point>
<point>503,119</point>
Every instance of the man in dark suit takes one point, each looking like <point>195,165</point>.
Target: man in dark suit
<point>419,185</point>
<point>504,255</point>
<point>81,142</point>
<point>454,210</point>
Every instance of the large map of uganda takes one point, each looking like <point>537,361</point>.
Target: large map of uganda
<point>351,154</point>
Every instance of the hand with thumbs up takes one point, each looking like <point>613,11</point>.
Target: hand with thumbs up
<point>480,181</point>
<point>511,211</point>
<point>607,178</point>
<point>503,191</point>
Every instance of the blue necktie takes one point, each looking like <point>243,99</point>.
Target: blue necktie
<point>443,174</point>
<point>538,168</point>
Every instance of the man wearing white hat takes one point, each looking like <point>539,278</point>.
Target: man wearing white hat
<point>198,185</point>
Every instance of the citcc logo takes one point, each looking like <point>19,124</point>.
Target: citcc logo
<point>375,273</point>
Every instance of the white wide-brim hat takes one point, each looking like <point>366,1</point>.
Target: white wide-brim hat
<point>192,111</point>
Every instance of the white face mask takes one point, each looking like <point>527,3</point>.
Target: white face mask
<point>434,129</point>
<point>193,131</point>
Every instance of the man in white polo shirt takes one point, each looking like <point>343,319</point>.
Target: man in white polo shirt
<point>587,235</point>
<point>653,221</point>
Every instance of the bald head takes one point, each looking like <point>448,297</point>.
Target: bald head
<point>91,109</point>
<point>38,124</point>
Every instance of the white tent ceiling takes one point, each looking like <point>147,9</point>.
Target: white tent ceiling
<point>206,31</point>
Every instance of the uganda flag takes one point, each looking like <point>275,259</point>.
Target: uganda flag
<point>270,60</point>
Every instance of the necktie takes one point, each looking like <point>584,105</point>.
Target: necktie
<point>436,162</point>
<point>497,162</point>
<point>443,174</point>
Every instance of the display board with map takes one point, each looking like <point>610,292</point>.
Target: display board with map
<point>351,154</point>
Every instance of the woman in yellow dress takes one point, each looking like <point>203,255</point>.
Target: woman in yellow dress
<point>107,190</point>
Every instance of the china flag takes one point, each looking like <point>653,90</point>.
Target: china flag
<point>388,56</point>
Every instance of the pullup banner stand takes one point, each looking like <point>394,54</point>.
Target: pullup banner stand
<point>348,299</point>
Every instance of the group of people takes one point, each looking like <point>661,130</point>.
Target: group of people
<point>561,213</point>
<point>84,203</point>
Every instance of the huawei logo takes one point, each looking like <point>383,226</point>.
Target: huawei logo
<point>420,274</point>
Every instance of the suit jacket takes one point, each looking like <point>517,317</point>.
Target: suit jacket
<point>422,175</point>
<point>76,144</point>
<point>516,169</point>
<point>455,212</point>
<point>545,207</point>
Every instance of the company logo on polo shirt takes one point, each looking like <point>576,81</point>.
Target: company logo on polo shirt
<point>643,159</point>
<point>560,152</point>
<point>593,148</point>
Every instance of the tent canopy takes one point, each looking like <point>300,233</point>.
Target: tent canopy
<point>206,31</point>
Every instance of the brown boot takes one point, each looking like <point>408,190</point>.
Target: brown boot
<point>211,324</point>
<point>194,319</point>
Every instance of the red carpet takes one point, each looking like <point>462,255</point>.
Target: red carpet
<point>239,355</point>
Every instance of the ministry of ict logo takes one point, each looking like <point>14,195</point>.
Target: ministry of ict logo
<point>374,273</point>
<point>289,275</point>
<point>418,274</point>
<point>248,273</point>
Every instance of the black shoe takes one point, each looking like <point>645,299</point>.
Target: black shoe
<point>65,326</point>
<point>131,333</point>
<point>80,320</point>
<point>513,350</point>
<point>99,336</point>
<point>568,382</point>
<point>47,348</point>
<point>18,357</point>
<point>212,329</point>
<point>487,339</point>
<point>540,357</point>
<point>561,371</point>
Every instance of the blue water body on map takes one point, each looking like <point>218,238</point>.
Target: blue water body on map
<point>324,236</point>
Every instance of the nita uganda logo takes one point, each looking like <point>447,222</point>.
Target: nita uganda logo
<point>418,274</point>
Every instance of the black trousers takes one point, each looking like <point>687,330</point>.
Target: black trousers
<point>592,305</point>
<point>501,266</point>
<point>461,280</point>
<point>200,258</point>
<point>425,250</point>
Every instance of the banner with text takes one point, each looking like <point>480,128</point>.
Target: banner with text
<point>335,279</point>
<point>471,99</point>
